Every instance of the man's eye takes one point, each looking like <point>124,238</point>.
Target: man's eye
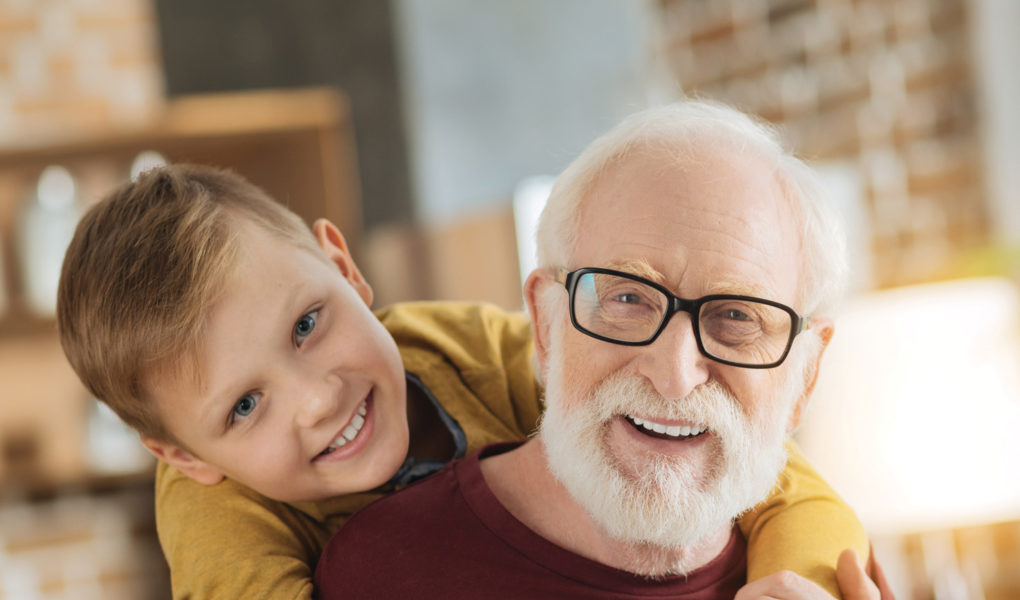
<point>736,315</point>
<point>628,298</point>
<point>304,327</point>
<point>244,407</point>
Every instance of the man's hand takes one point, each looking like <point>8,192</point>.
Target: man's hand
<point>853,581</point>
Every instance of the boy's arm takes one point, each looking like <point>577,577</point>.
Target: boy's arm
<point>802,527</point>
<point>227,542</point>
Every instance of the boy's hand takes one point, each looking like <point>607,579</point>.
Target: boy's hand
<point>853,581</point>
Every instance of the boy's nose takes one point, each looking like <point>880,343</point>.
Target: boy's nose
<point>318,402</point>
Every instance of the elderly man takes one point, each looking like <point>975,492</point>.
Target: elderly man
<point>678,316</point>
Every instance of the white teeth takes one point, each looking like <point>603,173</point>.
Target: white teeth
<point>351,431</point>
<point>676,431</point>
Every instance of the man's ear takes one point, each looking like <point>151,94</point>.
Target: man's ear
<point>334,245</point>
<point>824,329</point>
<point>183,461</point>
<point>534,288</point>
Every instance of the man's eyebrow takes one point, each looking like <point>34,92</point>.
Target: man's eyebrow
<point>639,267</point>
<point>642,268</point>
<point>739,288</point>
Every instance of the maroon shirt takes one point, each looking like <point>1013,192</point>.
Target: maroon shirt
<point>449,537</point>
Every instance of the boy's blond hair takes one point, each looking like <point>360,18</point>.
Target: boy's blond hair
<point>143,268</point>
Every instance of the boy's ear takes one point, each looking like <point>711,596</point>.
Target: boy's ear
<point>534,287</point>
<point>825,329</point>
<point>183,461</point>
<point>334,245</point>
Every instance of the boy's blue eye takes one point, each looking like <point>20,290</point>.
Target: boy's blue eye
<point>244,407</point>
<point>304,326</point>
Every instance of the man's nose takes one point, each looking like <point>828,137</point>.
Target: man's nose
<point>317,400</point>
<point>673,363</point>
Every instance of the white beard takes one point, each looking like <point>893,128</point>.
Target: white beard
<point>661,501</point>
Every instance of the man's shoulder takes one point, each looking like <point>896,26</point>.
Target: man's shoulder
<point>421,532</point>
<point>420,506</point>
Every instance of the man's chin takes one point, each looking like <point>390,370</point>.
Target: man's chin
<point>636,455</point>
<point>637,501</point>
<point>648,491</point>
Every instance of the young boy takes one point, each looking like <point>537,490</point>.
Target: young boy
<point>242,349</point>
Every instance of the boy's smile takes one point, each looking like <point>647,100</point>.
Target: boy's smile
<point>349,441</point>
<point>299,393</point>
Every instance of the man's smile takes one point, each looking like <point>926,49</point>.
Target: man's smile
<point>665,431</point>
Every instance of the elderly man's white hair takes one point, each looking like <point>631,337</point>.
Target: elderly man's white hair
<point>687,130</point>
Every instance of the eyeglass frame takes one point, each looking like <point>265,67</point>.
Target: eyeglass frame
<point>569,279</point>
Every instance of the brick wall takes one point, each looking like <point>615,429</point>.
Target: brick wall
<point>69,66</point>
<point>887,87</point>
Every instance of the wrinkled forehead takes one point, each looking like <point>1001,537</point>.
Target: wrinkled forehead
<point>705,219</point>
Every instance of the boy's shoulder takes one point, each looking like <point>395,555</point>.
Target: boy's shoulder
<point>475,359</point>
<point>192,519</point>
<point>181,502</point>
<point>464,332</point>
<point>207,531</point>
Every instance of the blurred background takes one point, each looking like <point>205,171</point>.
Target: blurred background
<point>428,129</point>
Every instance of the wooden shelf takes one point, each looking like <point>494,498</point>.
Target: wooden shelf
<point>297,145</point>
<point>17,322</point>
<point>17,487</point>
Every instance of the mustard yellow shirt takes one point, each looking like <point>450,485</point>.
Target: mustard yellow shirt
<point>226,541</point>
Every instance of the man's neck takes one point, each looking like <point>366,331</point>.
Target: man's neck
<point>522,482</point>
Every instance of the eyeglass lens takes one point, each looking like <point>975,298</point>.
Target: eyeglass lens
<point>737,330</point>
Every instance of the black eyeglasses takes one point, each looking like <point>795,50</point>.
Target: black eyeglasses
<point>621,308</point>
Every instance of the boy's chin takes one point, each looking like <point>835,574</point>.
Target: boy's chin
<point>378,463</point>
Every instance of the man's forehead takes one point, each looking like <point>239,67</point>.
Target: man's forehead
<point>723,217</point>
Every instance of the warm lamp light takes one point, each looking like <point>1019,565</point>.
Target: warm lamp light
<point>915,419</point>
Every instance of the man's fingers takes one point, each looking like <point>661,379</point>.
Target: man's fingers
<point>854,583</point>
<point>784,585</point>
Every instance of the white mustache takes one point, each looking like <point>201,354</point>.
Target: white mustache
<point>709,404</point>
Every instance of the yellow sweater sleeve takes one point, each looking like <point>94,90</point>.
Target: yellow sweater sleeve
<point>224,541</point>
<point>802,527</point>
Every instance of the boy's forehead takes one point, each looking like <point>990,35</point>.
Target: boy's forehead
<point>249,234</point>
